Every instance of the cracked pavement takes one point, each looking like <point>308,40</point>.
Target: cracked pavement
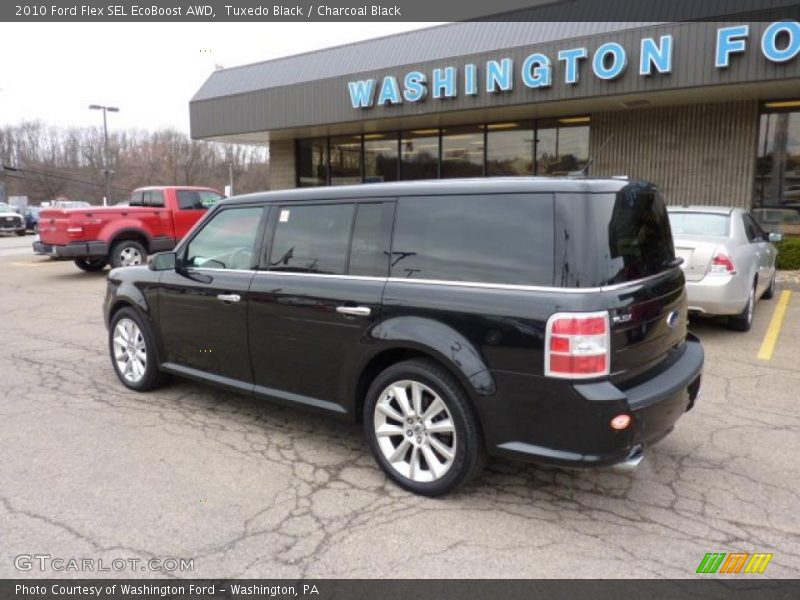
<point>248,489</point>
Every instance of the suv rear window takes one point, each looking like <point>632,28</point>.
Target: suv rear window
<point>605,239</point>
<point>502,238</point>
<point>697,223</point>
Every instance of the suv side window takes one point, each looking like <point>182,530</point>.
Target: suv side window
<point>227,241</point>
<point>312,238</point>
<point>503,238</point>
<point>369,250</point>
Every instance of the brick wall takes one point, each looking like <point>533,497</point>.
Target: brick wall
<point>281,165</point>
<point>698,154</point>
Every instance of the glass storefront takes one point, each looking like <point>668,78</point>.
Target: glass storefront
<point>345,164</point>
<point>778,162</point>
<point>551,147</point>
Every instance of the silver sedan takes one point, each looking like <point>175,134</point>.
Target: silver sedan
<point>728,260</point>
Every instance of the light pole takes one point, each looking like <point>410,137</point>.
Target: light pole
<point>106,170</point>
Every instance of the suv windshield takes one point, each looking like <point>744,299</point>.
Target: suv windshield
<point>697,223</point>
<point>604,239</point>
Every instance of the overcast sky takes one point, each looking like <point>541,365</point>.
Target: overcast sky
<point>53,72</point>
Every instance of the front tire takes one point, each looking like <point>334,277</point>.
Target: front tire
<point>422,429</point>
<point>21,233</point>
<point>127,253</point>
<point>133,352</point>
<point>90,265</point>
<point>744,320</point>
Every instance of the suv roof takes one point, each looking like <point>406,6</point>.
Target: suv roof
<point>441,186</point>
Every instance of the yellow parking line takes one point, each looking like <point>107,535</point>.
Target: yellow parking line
<point>771,337</point>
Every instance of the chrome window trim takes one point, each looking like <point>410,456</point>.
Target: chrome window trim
<point>450,283</point>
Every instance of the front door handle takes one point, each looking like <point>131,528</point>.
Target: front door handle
<point>354,311</point>
<point>229,297</point>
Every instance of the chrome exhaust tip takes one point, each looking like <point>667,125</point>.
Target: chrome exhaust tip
<point>634,458</point>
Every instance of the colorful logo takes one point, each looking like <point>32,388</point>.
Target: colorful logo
<point>735,562</point>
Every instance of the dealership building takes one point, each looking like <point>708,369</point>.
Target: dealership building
<point>708,110</point>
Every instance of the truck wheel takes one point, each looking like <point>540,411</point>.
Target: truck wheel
<point>21,233</point>
<point>421,427</point>
<point>90,264</point>
<point>127,253</point>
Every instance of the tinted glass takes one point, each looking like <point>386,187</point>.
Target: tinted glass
<point>612,238</point>
<point>312,239</point>
<point>694,223</point>
<point>312,162</point>
<point>197,199</point>
<point>509,149</point>
<point>227,241</point>
<point>154,198</point>
<point>345,165</point>
<point>369,252</point>
<point>420,154</point>
<point>503,238</point>
<point>562,146</point>
<point>137,199</point>
<point>380,157</point>
<point>462,151</point>
<point>778,161</point>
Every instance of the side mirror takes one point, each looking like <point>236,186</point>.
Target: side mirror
<point>775,237</point>
<point>163,261</point>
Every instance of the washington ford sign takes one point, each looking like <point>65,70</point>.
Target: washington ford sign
<point>779,43</point>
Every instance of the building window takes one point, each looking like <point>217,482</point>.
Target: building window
<point>778,162</point>
<point>562,145</point>
<point>551,147</point>
<point>419,154</point>
<point>312,162</point>
<point>345,167</point>
<point>380,157</point>
<point>462,151</point>
<point>509,149</point>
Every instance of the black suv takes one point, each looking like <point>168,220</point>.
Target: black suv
<point>535,318</point>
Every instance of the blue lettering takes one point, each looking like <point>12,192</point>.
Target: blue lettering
<point>390,91</point>
<point>618,65</point>
<point>571,58</point>
<point>415,86</point>
<point>659,56</point>
<point>470,80</point>
<point>769,41</point>
<point>536,71</point>
<point>444,83</point>
<point>499,76</point>
<point>362,93</point>
<point>729,42</point>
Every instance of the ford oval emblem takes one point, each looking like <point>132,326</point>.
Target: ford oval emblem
<point>673,319</point>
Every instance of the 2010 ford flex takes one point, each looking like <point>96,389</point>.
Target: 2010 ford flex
<point>541,319</point>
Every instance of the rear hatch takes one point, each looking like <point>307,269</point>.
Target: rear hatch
<point>697,236</point>
<point>621,243</point>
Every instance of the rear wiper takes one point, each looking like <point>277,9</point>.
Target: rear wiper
<point>675,262</point>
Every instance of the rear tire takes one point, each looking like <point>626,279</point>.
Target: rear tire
<point>744,320</point>
<point>438,445</point>
<point>90,265</point>
<point>770,293</point>
<point>127,253</point>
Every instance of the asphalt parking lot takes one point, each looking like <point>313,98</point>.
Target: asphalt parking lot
<point>247,489</point>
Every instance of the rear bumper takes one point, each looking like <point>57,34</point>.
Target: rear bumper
<point>571,427</point>
<point>718,294</point>
<point>74,250</point>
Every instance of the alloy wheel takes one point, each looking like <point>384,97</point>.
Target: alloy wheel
<point>130,351</point>
<point>415,431</point>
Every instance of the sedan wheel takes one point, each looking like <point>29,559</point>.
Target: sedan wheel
<point>415,431</point>
<point>744,320</point>
<point>130,351</point>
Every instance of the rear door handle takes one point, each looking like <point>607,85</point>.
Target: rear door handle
<point>229,297</point>
<point>354,311</point>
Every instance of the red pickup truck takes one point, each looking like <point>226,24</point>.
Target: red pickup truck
<point>154,220</point>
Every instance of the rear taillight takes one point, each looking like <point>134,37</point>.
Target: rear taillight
<point>722,264</point>
<point>577,345</point>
